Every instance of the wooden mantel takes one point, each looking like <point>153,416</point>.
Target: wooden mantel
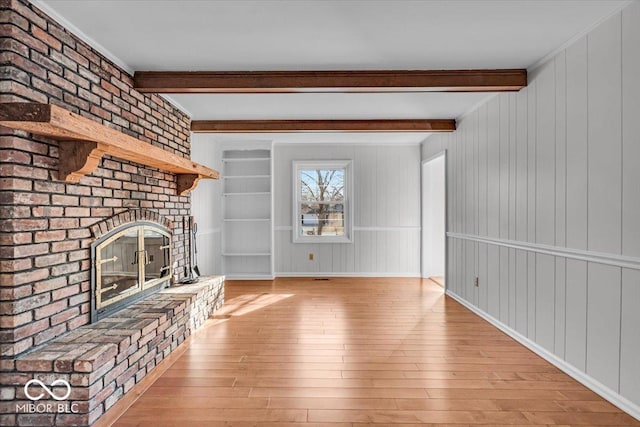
<point>83,142</point>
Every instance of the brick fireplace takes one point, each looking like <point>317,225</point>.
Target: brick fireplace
<point>47,225</point>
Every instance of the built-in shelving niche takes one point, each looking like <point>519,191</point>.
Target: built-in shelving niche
<point>247,227</point>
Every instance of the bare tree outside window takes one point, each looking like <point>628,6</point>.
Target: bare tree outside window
<point>322,202</point>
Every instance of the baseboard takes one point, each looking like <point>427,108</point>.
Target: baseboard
<point>589,382</point>
<point>338,274</point>
<point>249,277</point>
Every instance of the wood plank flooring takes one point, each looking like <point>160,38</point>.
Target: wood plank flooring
<point>355,352</point>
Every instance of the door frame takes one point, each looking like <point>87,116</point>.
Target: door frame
<point>439,154</point>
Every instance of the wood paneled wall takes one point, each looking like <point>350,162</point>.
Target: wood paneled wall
<point>386,203</point>
<point>544,205</point>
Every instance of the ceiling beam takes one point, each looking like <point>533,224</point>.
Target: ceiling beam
<point>288,126</point>
<point>330,81</point>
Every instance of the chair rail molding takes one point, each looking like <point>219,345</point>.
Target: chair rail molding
<point>579,254</point>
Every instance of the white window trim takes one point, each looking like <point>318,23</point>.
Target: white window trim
<point>348,200</point>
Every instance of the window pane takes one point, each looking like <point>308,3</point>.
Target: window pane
<point>156,255</point>
<point>119,266</point>
<point>322,185</point>
<point>322,204</point>
<point>322,219</point>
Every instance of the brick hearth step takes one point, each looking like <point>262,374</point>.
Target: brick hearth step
<point>104,360</point>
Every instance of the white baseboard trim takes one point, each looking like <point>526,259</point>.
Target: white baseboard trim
<point>359,228</point>
<point>249,277</point>
<point>589,382</point>
<point>338,274</point>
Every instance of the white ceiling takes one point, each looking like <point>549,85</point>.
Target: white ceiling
<point>324,137</point>
<point>328,35</point>
<point>398,105</point>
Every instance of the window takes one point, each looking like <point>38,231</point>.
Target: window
<point>322,201</point>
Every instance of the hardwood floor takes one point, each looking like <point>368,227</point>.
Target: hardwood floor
<point>354,352</point>
<point>439,280</point>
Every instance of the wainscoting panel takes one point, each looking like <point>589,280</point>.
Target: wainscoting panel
<point>384,252</point>
<point>630,343</point>
<point>603,323</point>
<point>576,318</point>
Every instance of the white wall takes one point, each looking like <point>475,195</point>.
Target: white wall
<point>544,206</point>
<point>206,205</point>
<point>386,207</point>
<point>433,220</point>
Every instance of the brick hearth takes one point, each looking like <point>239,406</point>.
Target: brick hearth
<point>104,360</point>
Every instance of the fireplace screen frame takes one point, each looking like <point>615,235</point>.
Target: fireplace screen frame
<point>101,308</point>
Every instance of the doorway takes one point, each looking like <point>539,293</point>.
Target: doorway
<point>433,208</point>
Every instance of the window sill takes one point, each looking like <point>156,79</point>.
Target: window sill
<point>326,239</point>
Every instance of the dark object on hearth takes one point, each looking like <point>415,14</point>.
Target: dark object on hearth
<point>194,231</point>
<point>190,273</point>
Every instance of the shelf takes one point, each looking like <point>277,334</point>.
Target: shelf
<point>83,142</point>
<point>256,193</point>
<point>246,176</point>
<point>247,254</point>
<point>247,219</point>
<point>248,159</point>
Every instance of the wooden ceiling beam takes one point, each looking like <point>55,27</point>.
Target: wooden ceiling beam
<point>288,126</point>
<point>330,81</point>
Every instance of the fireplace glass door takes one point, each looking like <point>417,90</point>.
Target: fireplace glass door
<point>118,267</point>
<point>156,253</point>
<point>129,262</point>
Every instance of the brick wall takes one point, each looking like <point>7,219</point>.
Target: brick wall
<point>45,223</point>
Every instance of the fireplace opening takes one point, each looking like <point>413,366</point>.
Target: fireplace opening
<point>127,264</point>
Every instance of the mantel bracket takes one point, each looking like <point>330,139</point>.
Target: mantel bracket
<point>187,182</point>
<point>78,158</point>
